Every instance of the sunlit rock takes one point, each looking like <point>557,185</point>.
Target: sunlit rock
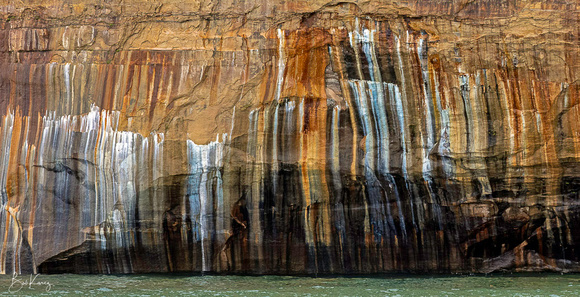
<point>289,137</point>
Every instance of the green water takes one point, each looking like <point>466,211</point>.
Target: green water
<point>182,285</point>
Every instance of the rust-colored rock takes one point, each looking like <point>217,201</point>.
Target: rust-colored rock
<point>289,136</point>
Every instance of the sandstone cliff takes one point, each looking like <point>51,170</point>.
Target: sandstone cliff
<point>289,136</point>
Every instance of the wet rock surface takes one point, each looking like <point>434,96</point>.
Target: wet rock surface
<point>289,137</point>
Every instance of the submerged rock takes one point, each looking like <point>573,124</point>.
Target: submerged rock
<point>272,137</point>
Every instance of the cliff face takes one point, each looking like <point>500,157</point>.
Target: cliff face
<point>289,136</point>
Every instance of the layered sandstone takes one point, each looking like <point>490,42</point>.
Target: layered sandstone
<point>289,136</point>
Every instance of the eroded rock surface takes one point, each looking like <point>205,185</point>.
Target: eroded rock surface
<point>289,136</point>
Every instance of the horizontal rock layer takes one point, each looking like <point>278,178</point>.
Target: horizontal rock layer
<point>289,137</point>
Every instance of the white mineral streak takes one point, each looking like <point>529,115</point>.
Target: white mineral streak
<point>275,162</point>
<point>399,97</point>
<point>429,114</point>
<point>281,64</point>
<point>5,214</point>
<point>335,142</point>
<point>84,161</point>
<point>289,129</point>
<point>254,176</point>
<point>444,145</point>
<point>205,189</point>
<point>5,141</point>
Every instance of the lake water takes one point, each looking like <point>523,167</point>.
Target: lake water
<point>392,285</point>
